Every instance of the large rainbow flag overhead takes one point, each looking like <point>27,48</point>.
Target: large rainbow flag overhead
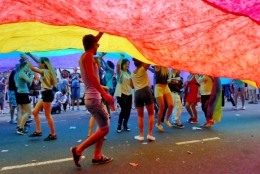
<point>212,37</point>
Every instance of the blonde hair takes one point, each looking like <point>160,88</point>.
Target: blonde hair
<point>49,66</point>
<point>164,71</point>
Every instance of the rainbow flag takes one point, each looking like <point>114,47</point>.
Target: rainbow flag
<point>214,110</point>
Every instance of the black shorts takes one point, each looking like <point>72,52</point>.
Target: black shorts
<point>47,96</point>
<point>143,97</point>
<point>22,98</point>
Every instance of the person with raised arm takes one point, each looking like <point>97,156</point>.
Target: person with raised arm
<point>108,67</point>
<point>48,80</point>
<point>123,93</point>
<point>143,96</point>
<point>21,80</point>
<point>93,101</point>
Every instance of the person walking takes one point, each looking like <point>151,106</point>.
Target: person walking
<point>93,101</point>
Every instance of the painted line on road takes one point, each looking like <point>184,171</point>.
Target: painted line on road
<point>197,141</point>
<point>188,142</point>
<point>37,164</point>
<point>54,121</point>
<point>209,139</point>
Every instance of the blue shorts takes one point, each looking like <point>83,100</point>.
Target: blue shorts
<point>12,98</point>
<point>98,112</point>
<point>75,93</point>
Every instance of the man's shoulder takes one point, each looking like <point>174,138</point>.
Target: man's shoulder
<point>87,57</point>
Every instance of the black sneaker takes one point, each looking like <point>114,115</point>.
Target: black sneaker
<point>50,137</point>
<point>119,129</point>
<point>29,120</point>
<point>22,131</point>
<point>103,160</point>
<point>127,129</point>
<point>178,125</point>
<point>76,158</point>
<point>36,134</point>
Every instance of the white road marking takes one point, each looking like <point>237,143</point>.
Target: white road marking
<point>54,121</point>
<point>37,164</point>
<point>209,139</point>
<point>197,141</point>
<point>188,142</point>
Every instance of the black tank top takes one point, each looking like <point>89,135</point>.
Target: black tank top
<point>35,86</point>
<point>159,78</point>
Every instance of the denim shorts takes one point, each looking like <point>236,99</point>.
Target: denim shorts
<point>12,98</point>
<point>75,93</point>
<point>98,112</point>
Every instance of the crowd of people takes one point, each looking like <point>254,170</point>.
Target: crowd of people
<point>106,85</point>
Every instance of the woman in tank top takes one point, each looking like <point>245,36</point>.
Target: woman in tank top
<point>162,92</point>
<point>48,80</point>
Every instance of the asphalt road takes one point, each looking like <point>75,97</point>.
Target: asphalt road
<point>231,146</point>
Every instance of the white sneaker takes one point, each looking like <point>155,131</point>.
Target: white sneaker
<point>139,138</point>
<point>235,108</point>
<point>150,137</point>
<point>243,108</point>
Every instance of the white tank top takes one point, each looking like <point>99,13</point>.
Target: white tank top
<point>91,91</point>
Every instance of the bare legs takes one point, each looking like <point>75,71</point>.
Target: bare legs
<point>140,111</point>
<point>73,103</point>
<point>160,101</point>
<point>191,108</point>
<point>91,126</point>
<point>47,109</point>
<point>97,139</point>
<point>25,110</point>
<point>242,96</point>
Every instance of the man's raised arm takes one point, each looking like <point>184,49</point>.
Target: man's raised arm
<point>99,35</point>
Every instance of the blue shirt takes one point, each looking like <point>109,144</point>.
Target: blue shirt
<point>75,79</point>
<point>63,85</point>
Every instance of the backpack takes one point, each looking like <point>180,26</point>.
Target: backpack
<point>75,82</point>
<point>104,81</point>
